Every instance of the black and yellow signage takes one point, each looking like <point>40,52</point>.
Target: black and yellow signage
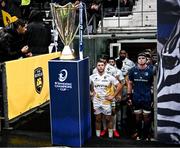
<point>27,83</point>
<point>7,18</point>
<point>38,79</point>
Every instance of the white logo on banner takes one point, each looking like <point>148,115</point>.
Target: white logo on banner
<point>62,86</point>
<point>63,75</point>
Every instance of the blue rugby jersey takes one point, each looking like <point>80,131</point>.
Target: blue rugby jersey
<point>142,81</point>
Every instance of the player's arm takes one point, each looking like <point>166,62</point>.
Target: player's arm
<point>129,92</point>
<point>117,90</point>
<point>92,92</point>
<point>119,87</point>
<point>129,87</point>
<point>121,79</point>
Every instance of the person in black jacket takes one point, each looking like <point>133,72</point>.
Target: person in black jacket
<point>38,34</point>
<point>12,43</point>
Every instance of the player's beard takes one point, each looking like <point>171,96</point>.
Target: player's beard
<point>142,62</point>
<point>122,57</point>
<point>101,71</point>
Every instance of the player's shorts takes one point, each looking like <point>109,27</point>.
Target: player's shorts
<point>141,107</point>
<point>102,106</point>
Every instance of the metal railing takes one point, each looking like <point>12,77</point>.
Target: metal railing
<point>143,14</point>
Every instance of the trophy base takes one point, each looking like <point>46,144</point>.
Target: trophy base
<point>67,57</point>
<point>67,53</point>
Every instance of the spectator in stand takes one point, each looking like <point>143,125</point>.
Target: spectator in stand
<point>11,47</point>
<point>94,13</point>
<point>12,42</point>
<point>109,7</point>
<point>102,95</point>
<point>126,7</point>
<point>12,7</point>
<point>140,80</point>
<point>2,5</point>
<point>38,34</point>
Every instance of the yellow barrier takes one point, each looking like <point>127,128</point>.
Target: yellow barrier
<point>27,83</point>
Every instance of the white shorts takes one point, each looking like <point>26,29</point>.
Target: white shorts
<point>102,106</point>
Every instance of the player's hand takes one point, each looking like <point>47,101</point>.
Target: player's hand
<point>109,98</point>
<point>92,94</point>
<point>118,98</point>
<point>129,99</point>
<point>129,102</point>
<point>129,96</point>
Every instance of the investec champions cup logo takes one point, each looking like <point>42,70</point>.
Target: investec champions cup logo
<point>63,75</point>
<point>38,79</point>
<point>62,85</point>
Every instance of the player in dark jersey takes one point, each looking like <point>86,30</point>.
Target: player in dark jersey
<point>139,95</point>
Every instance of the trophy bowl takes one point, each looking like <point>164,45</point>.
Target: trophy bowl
<point>65,18</point>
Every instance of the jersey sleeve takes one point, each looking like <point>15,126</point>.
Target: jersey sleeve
<point>114,80</point>
<point>120,74</point>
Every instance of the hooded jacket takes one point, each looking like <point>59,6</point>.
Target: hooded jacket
<point>38,34</point>
<point>10,44</point>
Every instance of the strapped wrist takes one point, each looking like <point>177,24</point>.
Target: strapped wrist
<point>129,96</point>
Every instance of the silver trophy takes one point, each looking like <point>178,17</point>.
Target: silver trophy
<point>64,18</point>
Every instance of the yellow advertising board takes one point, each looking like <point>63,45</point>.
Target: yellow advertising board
<point>27,83</point>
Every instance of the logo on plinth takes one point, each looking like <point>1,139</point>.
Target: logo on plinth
<point>63,75</point>
<point>62,84</point>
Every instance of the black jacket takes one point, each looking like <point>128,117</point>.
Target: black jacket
<point>10,44</point>
<point>38,34</point>
<point>38,37</point>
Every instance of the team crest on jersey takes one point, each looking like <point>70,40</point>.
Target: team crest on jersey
<point>38,79</point>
